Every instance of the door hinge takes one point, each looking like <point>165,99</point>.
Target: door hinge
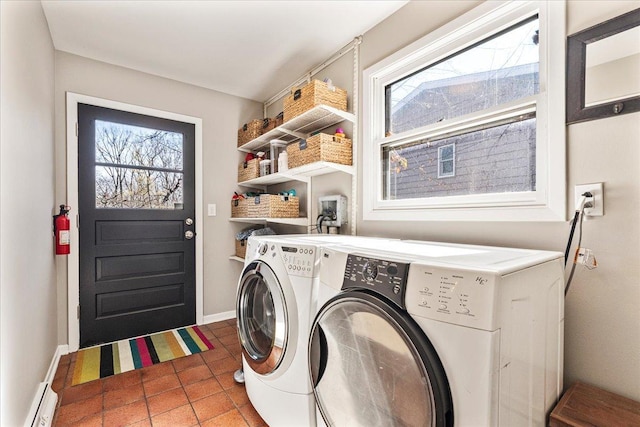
<point>78,311</point>
<point>77,221</point>
<point>76,128</point>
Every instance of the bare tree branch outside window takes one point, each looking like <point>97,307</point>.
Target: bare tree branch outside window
<point>138,167</point>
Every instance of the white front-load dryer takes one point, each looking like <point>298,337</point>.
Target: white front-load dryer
<point>431,334</point>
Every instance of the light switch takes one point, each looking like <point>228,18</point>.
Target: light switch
<point>211,209</point>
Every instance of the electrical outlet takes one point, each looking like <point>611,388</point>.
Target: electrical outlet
<point>211,209</point>
<point>597,201</point>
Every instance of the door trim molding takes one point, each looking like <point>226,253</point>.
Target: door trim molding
<point>73,260</point>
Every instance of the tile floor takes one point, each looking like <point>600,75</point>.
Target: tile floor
<point>196,390</point>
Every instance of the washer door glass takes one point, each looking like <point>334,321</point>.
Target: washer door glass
<point>367,369</point>
<point>262,323</point>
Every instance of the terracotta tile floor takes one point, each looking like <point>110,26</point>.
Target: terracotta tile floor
<point>196,390</point>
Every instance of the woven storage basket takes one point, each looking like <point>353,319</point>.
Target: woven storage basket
<point>273,206</point>
<point>241,248</point>
<point>249,131</point>
<point>268,124</point>
<point>315,93</point>
<point>279,119</point>
<point>320,147</point>
<point>248,170</point>
<point>240,208</point>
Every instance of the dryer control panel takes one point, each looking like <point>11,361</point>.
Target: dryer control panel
<point>383,276</point>
<point>299,260</point>
<point>457,296</point>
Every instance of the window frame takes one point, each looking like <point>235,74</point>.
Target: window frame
<point>441,174</point>
<point>548,201</point>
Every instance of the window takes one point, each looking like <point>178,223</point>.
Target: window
<point>137,167</point>
<point>468,122</point>
<point>446,161</point>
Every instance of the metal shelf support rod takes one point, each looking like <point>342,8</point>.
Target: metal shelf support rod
<point>307,76</point>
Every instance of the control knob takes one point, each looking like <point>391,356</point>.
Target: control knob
<point>262,248</point>
<point>370,270</point>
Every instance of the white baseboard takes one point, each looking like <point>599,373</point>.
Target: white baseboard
<point>211,318</point>
<point>61,350</point>
<point>45,399</point>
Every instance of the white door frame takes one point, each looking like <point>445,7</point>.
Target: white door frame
<point>73,259</point>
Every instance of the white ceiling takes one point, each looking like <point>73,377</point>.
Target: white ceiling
<point>251,49</point>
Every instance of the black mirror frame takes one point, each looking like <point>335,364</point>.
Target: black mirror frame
<point>576,59</point>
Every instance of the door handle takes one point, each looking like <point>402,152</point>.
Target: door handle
<point>188,221</point>
<point>189,234</point>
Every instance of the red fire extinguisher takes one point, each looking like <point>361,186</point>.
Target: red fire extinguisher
<point>61,226</point>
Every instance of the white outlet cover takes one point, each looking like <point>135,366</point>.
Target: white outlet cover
<point>211,209</point>
<point>597,189</point>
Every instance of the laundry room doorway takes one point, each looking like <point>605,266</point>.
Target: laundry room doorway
<point>138,250</point>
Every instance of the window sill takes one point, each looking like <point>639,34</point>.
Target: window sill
<point>471,214</point>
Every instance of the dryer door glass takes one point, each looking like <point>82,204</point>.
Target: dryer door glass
<point>261,318</point>
<point>367,369</point>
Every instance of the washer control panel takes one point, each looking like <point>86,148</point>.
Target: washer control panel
<point>385,277</point>
<point>454,296</point>
<point>299,260</point>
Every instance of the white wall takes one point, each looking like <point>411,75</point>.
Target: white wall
<point>27,260</point>
<point>602,317</point>
<point>221,115</point>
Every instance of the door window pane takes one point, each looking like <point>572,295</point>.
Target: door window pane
<point>494,160</point>
<point>137,167</point>
<point>118,187</point>
<point>120,144</point>
<point>498,70</point>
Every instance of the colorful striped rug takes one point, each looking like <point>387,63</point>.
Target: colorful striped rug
<point>126,355</point>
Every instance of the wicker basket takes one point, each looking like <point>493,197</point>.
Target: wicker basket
<point>248,170</point>
<point>268,124</point>
<point>240,208</point>
<point>320,147</point>
<point>273,206</point>
<point>241,248</point>
<point>249,131</point>
<point>315,93</point>
<point>279,119</point>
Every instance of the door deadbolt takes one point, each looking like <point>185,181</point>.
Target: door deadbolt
<point>189,234</point>
<point>188,221</point>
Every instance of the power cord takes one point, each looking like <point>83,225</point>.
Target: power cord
<point>319,221</point>
<point>583,204</point>
<point>573,229</point>
<point>579,216</point>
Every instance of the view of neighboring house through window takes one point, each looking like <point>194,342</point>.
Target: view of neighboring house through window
<point>138,167</point>
<point>489,158</point>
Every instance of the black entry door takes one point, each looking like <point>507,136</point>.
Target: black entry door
<point>137,232</point>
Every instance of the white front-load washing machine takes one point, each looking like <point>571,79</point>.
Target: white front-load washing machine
<point>430,334</point>
<point>273,316</point>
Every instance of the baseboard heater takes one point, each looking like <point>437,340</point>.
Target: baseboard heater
<point>43,407</point>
